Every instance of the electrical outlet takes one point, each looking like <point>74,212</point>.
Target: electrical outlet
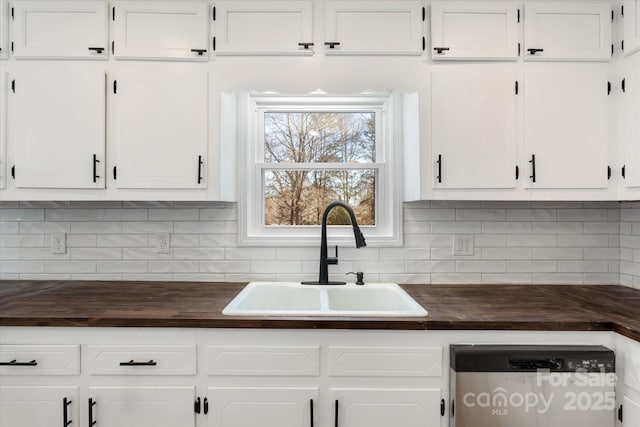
<point>463,244</point>
<point>163,243</point>
<point>59,243</point>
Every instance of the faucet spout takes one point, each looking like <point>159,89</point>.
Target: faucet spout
<point>323,277</point>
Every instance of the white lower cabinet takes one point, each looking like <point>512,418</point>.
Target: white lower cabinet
<point>382,407</point>
<point>39,406</point>
<point>631,417</point>
<point>149,406</point>
<point>261,406</point>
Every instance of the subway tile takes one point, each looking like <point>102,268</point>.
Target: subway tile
<point>296,253</point>
<point>217,240</point>
<point>413,227</point>
<point>447,253</point>
<point>44,227</point>
<point>218,214</point>
<point>625,228</point>
<point>173,266</point>
<point>9,227</point>
<point>630,242</point>
<point>21,214</point>
<point>583,266</point>
<point>242,253</point>
<point>276,267</point>
<point>381,266</point>
<point>456,278</point>
<point>45,276</point>
<point>144,253</point>
<point>489,240</point>
<point>122,267</point>
<point>147,227</point>
<point>96,214</point>
<point>602,253</point>
<point>630,215</point>
<point>198,253</point>
<point>22,267</point>
<point>70,267</point>
<point>205,227</point>
<point>507,227</point>
<point>557,227</point>
<point>417,267</point>
<point>634,229</point>
<point>456,204</point>
<point>204,204</point>
<point>556,205</point>
<point>532,266</point>
<point>429,214</point>
<point>601,279</point>
<point>582,240</point>
<point>532,215</point>
<point>95,253</point>
<point>630,268</point>
<point>360,254</point>
<point>178,240</point>
<point>225,266</point>
<point>600,227</point>
<point>96,227</point>
<point>9,205</point>
<point>558,253</point>
<point>35,204</point>
<point>404,254</point>
<point>343,267</point>
<point>199,277</point>
<point>96,276</point>
<point>9,276</point>
<point>81,240</point>
<point>405,278</point>
<point>506,278</point>
<point>481,214</point>
<point>249,277</point>
<point>626,254</point>
<point>148,277</point>
<point>123,240</point>
<point>481,266</point>
<point>558,278</point>
<point>41,254</point>
<point>174,214</point>
<point>428,240</point>
<point>507,253</point>
<point>462,227</point>
<point>532,240</point>
<point>147,205</point>
<point>506,204</point>
<point>21,241</point>
<point>93,204</point>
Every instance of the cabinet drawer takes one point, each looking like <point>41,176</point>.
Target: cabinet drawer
<point>140,360</point>
<point>385,361</point>
<point>241,360</point>
<point>39,359</point>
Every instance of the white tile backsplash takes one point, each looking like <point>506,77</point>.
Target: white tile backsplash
<point>515,242</point>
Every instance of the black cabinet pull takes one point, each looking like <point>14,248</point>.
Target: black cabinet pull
<point>95,168</point>
<point>92,403</point>
<point>14,362</point>
<point>200,52</point>
<point>533,51</point>
<point>196,405</point>
<point>13,171</point>
<point>335,421</point>
<point>624,171</point>
<point>311,412</point>
<point>442,407</point>
<point>205,405</point>
<point>517,173</point>
<point>97,49</point>
<point>332,45</point>
<point>439,162</point>
<point>608,173</point>
<point>305,45</point>
<point>533,167</point>
<point>133,363</point>
<point>200,169</point>
<point>441,50</point>
<point>65,416</point>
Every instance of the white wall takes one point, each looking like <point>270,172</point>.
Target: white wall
<point>516,242</point>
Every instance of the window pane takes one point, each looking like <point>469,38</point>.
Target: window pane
<point>299,197</point>
<point>319,137</point>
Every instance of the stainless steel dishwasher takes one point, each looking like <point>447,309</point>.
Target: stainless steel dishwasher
<point>532,386</point>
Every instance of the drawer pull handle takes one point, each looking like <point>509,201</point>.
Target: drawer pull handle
<point>14,362</point>
<point>134,363</point>
<point>65,416</point>
<point>92,403</point>
<point>311,412</point>
<point>335,419</point>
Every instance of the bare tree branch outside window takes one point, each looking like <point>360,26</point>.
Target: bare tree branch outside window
<point>298,197</point>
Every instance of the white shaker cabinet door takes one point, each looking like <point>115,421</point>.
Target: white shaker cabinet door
<point>158,129</point>
<point>474,129</point>
<point>59,29</point>
<point>462,30</point>
<point>573,31</point>
<point>171,30</point>
<point>151,406</point>
<point>4,29</point>
<point>38,406</point>
<point>631,133</point>
<point>374,27</point>
<point>3,130</point>
<point>565,129</point>
<point>56,128</point>
<point>264,27</point>
<point>262,406</point>
<point>631,26</point>
<point>381,407</point>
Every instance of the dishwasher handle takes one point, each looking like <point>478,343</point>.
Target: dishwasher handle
<point>535,364</point>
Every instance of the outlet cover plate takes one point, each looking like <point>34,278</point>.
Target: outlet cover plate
<point>463,245</point>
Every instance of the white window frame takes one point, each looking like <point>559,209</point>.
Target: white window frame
<point>387,230</point>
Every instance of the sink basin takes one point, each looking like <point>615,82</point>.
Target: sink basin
<point>293,299</point>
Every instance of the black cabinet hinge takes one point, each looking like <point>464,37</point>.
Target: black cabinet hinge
<point>620,413</point>
<point>424,43</point>
<point>12,15</point>
<point>608,88</point>
<point>11,46</point>
<point>13,171</point>
<point>13,85</point>
<point>622,10</point>
<point>608,173</point>
<point>197,405</point>
<point>612,15</point>
<point>214,43</point>
<point>115,86</point>
<point>115,173</point>
<point>517,87</point>
<point>622,45</point>
<point>442,407</point>
<point>519,48</point>
<point>113,13</point>
<point>113,47</point>
<point>213,13</point>
<point>205,404</point>
<point>612,48</point>
<point>623,172</point>
<point>517,173</point>
<point>200,52</point>
<point>424,14</point>
<point>518,15</point>
<point>623,84</point>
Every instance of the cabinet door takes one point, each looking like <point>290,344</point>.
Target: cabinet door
<point>631,26</point>
<point>264,27</point>
<point>59,29</point>
<point>56,128</point>
<point>38,406</point>
<point>265,406</point>
<point>158,406</point>
<point>374,27</point>
<point>474,129</point>
<point>565,129</point>
<point>3,130</point>
<point>568,31</point>
<point>159,129</point>
<point>631,134</point>
<point>4,28</point>
<point>631,412</point>
<point>473,30</point>
<point>386,407</point>
<point>161,30</point>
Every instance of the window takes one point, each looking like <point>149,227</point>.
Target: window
<point>304,152</point>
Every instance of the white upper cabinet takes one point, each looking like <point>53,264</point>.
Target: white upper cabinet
<point>475,30</point>
<point>474,129</point>
<point>172,30</point>
<point>565,129</point>
<point>631,134</point>
<point>56,128</point>
<point>631,26</point>
<point>264,27</point>
<point>159,129</point>
<point>3,130</point>
<point>568,31</point>
<point>59,29</point>
<point>4,29</point>
<point>374,27</point>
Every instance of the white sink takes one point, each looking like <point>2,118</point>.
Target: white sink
<point>293,299</point>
